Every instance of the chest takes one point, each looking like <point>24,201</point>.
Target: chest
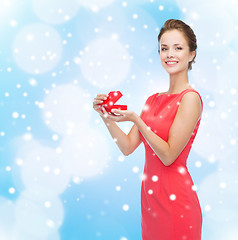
<point>159,114</point>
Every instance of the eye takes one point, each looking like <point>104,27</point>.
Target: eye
<point>163,49</point>
<point>178,48</point>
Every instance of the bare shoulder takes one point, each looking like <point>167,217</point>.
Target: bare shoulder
<point>192,97</point>
<point>192,102</point>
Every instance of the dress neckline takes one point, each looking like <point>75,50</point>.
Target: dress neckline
<point>172,94</point>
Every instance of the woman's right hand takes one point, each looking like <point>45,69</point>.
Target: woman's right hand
<point>98,100</point>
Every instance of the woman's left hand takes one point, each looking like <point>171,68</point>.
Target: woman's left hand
<point>123,116</point>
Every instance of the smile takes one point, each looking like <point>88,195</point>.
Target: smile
<point>171,63</point>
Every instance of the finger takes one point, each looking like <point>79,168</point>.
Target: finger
<point>101,96</point>
<point>97,107</point>
<point>105,113</point>
<point>100,111</point>
<point>97,102</point>
<point>117,111</point>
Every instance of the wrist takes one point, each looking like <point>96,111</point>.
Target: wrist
<point>105,119</point>
<point>135,118</point>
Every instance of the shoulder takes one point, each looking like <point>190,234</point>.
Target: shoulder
<point>192,96</point>
<point>192,101</point>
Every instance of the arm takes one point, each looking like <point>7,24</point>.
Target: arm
<point>126,143</point>
<point>180,132</point>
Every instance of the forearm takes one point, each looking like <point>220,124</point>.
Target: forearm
<point>120,138</point>
<point>158,145</point>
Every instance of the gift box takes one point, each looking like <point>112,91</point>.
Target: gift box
<point>112,98</point>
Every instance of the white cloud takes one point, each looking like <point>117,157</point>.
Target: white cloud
<point>54,11</point>
<point>67,109</point>
<point>37,48</point>
<point>86,154</point>
<point>106,63</point>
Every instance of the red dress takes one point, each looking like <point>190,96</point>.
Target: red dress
<point>170,208</point>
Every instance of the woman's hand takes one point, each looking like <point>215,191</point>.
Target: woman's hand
<point>122,116</point>
<point>98,100</point>
<point>97,106</point>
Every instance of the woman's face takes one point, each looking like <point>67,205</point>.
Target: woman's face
<point>174,52</point>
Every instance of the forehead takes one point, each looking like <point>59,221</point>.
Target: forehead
<point>174,36</point>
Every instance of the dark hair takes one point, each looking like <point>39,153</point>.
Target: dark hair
<point>172,24</point>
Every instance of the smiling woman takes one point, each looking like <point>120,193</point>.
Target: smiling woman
<point>187,38</point>
<point>175,55</point>
<point>167,127</point>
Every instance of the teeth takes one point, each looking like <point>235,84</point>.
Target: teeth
<point>171,62</point>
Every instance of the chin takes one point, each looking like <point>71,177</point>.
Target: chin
<point>172,71</point>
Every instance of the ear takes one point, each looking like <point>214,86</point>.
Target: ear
<point>192,56</point>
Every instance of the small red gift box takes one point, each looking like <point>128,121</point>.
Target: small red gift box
<point>112,98</point>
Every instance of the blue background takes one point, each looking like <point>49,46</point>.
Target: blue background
<point>81,57</point>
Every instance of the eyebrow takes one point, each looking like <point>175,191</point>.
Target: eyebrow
<point>176,44</point>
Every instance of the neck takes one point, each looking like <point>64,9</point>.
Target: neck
<point>178,82</point>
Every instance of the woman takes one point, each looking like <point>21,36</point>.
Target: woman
<point>167,126</point>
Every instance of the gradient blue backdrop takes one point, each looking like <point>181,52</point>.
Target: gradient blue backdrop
<point>55,56</point>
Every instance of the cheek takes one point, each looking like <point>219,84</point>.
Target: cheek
<point>184,57</point>
<point>162,56</point>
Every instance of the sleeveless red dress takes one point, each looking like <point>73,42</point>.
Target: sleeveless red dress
<point>170,208</point>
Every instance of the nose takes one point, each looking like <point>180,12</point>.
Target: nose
<point>170,53</point>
